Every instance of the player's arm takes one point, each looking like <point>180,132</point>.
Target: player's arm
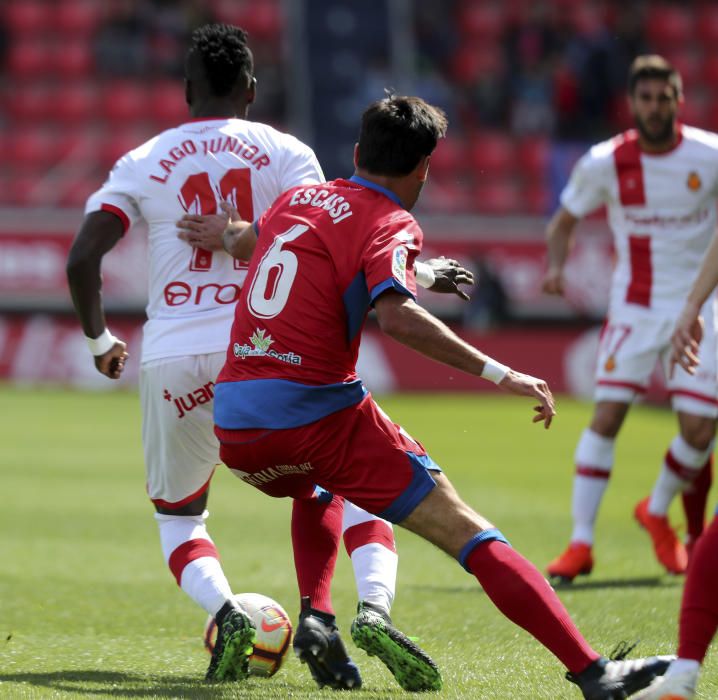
<point>689,328</point>
<point>443,275</point>
<point>404,320</point>
<point>99,233</point>
<point>225,231</point>
<point>559,237</point>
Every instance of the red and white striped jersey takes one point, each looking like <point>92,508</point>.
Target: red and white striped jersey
<point>661,210</point>
<point>191,169</point>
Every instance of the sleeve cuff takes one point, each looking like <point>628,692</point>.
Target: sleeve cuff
<point>119,214</point>
<point>390,283</point>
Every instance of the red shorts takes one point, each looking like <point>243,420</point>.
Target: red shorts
<point>357,453</point>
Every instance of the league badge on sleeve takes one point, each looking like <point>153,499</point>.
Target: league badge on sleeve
<point>398,264</point>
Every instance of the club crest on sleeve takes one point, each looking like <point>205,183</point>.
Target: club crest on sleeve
<point>398,263</point>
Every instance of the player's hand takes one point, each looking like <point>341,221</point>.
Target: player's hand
<point>686,338</point>
<point>203,231</point>
<point>449,275</point>
<point>553,282</point>
<point>112,363</point>
<point>526,385</point>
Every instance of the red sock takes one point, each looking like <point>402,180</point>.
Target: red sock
<point>519,591</point>
<point>699,608</point>
<point>316,531</point>
<point>695,498</point>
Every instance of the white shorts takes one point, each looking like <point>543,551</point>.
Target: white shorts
<point>633,340</point>
<point>181,450</point>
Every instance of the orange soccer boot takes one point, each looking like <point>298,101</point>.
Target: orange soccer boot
<point>669,550</point>
<point>575,561</point>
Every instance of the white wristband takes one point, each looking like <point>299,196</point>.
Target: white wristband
<point>494,371</point>
<point>424,274</point>
<point>101,344</point>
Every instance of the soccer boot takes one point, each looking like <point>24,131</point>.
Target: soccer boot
<point>669,550</point>
<point>317,643</point>
<point>373,631</point>
<point>235,641</point>
<point>575,561</point>
<point>607,679</point>
<point>677,686</point>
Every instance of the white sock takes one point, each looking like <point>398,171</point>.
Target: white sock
<point>369,541</point>
<point>375,573</point>
<point>201,578</point>
<point>681,465</point>
<point>683,666</point>
<point>594,461</point>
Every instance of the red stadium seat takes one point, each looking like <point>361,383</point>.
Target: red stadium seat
<point>536,199</point>
<point>669,25</point>
<point>29,59</point>
<point>688,63</point>
<point>124,101</point>
<point>32,149</point>
<point>448,196</point>
<point>710,70</point>
<point>480,20</point>
<point>115,142</point>
<point>74,59</point>
<point>491,155</point>
<point>77,17</point>
<point>707,26</point>
<point>74,189</point>
<point>711,116</point>
<point>167,104</point>
<point>532,158</point>
<point>22,189</point>
<point>31,102</point>
<point>261,18</point>
<point>497,197</point>
<point>448,158</point>
<point>75,102</point>
<point>694,110</point>
<point>27,17</point>
<point>471,62</point>
<point>79,145</point>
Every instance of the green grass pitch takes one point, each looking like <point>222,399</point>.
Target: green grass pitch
<point>88,609</point>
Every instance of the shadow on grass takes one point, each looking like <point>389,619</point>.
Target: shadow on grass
<point>641,582</point>
<point>590,585</point>
<point>130,685</point>
<point>117,683</point>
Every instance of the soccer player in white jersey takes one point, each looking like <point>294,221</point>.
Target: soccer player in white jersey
<point>659,183</point>
<point>216,156</point>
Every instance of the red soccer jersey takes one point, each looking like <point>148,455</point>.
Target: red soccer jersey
<point>324,254</point>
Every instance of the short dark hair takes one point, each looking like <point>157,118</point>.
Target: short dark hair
<point>654,66</point>
<point>397,132</point>
<point>224,56</point>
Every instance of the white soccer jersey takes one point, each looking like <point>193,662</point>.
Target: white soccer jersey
<point>191,169</point>
<point>661,210</point>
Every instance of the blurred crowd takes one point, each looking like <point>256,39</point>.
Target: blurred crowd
<point>526,84</point>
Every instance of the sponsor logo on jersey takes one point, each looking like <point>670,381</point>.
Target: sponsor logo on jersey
<point>190,401</point>
<point>398,263</point>
<point>264,476</point>
<point>177,293</point>
<point>694,181</point>
<point>261,348</point>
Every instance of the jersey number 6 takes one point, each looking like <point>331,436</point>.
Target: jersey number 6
<point>275,275</point>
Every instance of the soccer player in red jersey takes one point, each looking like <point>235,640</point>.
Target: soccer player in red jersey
<point>699,607</point>
<point>216,156</point>
<point>659,182</point>
<point>291,412</point>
